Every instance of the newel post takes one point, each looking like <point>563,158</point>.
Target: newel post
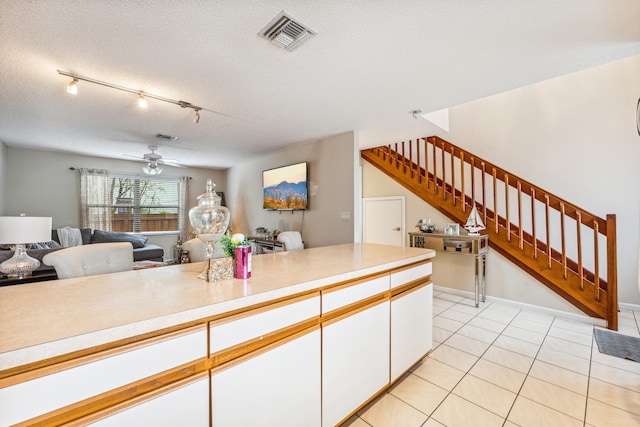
<point>612,274</point>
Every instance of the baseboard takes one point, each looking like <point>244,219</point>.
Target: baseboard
<point>627,306</point>
<point>530,307</point>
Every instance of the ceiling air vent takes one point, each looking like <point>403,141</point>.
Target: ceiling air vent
<point>286,32</point>
<point>163,137</point>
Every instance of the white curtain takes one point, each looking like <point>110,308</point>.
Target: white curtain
<point>95,199</point>
<point>183,214</point>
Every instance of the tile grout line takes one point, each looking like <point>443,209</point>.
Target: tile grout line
<point>546,335</point>
<point>545,339</point>
<point>450,392</point>
<point>586,404</point>
<point>528,371</point>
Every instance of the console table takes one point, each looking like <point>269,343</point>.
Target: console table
<point>265,245</point>
<point>460,244</point>
<point>36,276</point>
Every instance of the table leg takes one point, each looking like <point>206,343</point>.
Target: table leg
<point>477,281</point>
<point>484,277</point>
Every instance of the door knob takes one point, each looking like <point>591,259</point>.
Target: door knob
<point>396,229</point>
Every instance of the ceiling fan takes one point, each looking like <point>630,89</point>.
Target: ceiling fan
<point>154,160</point>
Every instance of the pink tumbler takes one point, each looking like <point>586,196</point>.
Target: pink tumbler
<point>243,262</point>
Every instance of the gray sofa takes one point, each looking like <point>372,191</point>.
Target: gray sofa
<point>142,250</point>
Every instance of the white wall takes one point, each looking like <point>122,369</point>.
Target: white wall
<point>504,280</point>
<point>39,183</point>
<point>580,143</point>
<point>574,136</point>
<point>331,168</point>
<point>3,177</point>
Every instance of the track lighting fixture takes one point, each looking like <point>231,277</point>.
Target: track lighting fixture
<point>72,87</point>
<point>142,102</point>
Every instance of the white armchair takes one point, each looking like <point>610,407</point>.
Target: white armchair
<point>198,250</point>
<point>292,240</point>
<point>88,260</point>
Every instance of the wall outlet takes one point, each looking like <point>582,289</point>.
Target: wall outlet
<point>345,215</point>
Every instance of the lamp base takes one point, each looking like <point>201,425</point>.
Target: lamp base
<point>20,264</point>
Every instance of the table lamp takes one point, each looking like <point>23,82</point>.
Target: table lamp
<point>18,231</point>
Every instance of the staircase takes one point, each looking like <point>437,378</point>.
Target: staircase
<point>566,248</point>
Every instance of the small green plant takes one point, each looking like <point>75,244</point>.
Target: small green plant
<point>229,242</point>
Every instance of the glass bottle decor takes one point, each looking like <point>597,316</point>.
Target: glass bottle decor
<point>209,221</point>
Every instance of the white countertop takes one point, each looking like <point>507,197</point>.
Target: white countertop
<point>46,319</point>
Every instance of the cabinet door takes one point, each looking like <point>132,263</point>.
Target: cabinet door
<point>411,328</point>
<point>403,276</point>
<point>100,373</point>
<point>355,361</point>
<point>279,387</point>
<point>187,405</point>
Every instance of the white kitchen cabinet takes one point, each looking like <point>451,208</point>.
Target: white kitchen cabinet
<point>187,405</point>
<point>407,275</point>
<point>257,359</point>
<point>355,361</point>
<point>340,297</point>
<point>411,328</point>
<point>256,324</point>
<point>279,387</point>
<point>411,317</point>
<point>100,373</point>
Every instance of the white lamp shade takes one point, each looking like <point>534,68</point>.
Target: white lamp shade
<point>24,229</point>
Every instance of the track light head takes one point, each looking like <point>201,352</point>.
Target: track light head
<point>142,101</point>
<point>72,87</point>
<point>196,115</point>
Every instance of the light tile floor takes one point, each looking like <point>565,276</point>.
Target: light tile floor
<point>499,365</point>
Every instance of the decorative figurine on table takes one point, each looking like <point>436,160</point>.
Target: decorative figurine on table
<point>474,223</point>
<point>209,221</point>
<point>425,226</point>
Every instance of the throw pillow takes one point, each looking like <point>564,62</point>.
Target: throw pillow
<point>137,240</point>
<point>85,233</point>
<point>51,245</point>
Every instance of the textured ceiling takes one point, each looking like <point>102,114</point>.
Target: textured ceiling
<point>370,64</point>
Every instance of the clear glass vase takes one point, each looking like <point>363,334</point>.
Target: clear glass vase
<point>209,221</point>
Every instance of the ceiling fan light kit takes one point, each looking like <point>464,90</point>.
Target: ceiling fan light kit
<point>72,88</point>
<point>152,168</point>
<point>154,160</point>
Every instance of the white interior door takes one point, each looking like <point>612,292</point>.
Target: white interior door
<point>383,220</point>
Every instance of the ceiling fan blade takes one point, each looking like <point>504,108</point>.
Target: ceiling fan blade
<point>142,159</point>
<point>174,163</point>
<point>157,158</point>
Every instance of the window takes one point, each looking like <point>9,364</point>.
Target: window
<point>133,203</point>
<point>144,204</point>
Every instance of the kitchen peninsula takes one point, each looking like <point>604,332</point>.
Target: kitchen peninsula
<point>312,337</point>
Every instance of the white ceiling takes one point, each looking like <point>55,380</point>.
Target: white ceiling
<point>370,64</point>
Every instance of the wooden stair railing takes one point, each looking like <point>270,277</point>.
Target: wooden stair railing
<point>514,211</point>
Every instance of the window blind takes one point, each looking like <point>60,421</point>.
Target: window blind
<point>141,204</point>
